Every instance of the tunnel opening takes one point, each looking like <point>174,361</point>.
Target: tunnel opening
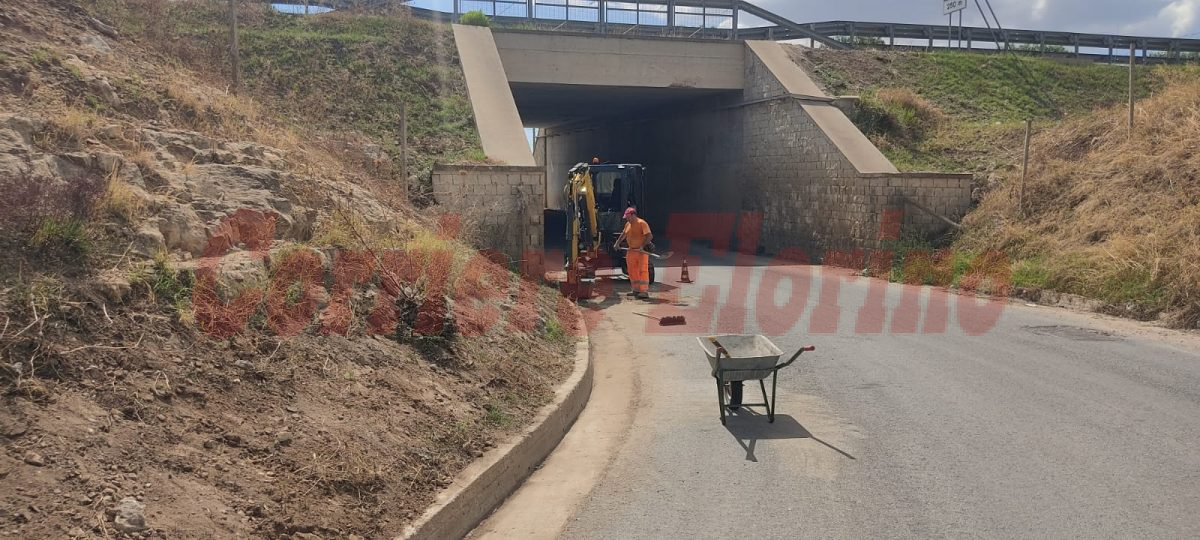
<point>685,140</point>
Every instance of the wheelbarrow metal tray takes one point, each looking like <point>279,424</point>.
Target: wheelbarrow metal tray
<point>754,353</point>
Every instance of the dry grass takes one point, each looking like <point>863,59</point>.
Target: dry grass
<point>120,201</point>
<point>144,159</point>
<point>916,108</point>
<point>1110,214</point>
<point>74,125</point>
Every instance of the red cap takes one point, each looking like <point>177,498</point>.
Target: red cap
<point>631,211</point>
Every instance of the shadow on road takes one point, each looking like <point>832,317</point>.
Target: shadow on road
<point>748,427</point>
<point>611,291</point>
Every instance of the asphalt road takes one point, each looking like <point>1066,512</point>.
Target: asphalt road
<point>1030,422</point>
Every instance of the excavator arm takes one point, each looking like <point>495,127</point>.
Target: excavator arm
<point>583,230</point>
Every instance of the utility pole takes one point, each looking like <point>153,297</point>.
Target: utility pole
<point>1132,68</point>
<point>234,58</point>
<point>1025,167</point>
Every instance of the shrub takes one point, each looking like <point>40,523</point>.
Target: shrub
<point>900,112</point>
<point>475,18</point>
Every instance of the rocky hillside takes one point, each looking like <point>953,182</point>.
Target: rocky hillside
<point>220,316</point>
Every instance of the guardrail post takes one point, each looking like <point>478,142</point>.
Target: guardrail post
<point>734,35</point>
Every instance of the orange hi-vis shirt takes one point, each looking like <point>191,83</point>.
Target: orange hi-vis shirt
<point>636,233</point>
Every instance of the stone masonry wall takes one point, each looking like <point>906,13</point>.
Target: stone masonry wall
<point>811,196</point>
<point>504,202</point>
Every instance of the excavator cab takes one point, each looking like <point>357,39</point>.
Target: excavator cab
<point>617,187</point>
<point>596,198</point>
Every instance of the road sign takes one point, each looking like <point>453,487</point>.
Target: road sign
<point>953,6</point>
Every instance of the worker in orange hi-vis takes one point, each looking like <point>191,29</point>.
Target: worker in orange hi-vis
<point>637,236</point>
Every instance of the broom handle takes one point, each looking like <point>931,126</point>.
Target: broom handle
<point>720,348</point>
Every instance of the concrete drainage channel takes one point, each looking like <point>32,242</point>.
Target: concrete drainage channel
<point>486,483</point>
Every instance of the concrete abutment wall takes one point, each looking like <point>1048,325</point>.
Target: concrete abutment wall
<point>504,203</point>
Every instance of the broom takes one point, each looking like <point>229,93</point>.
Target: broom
<point>674,320</point>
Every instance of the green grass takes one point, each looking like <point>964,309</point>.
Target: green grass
<point>554,331</point>
<point>336,72</point>
<point>986,99</point>
<point>1030,273</point>
<point>66,237</point>
<point>41,57</point>
<point>495,415</point>
<point>360,73</point>
<point>167,285</point>
<point>1013,88</point>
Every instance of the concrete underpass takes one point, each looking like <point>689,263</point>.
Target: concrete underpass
<point>724,128</point>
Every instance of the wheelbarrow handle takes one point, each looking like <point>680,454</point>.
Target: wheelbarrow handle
<point>802,350</point>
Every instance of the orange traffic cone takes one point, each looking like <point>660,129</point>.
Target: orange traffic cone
<point>683,276</point>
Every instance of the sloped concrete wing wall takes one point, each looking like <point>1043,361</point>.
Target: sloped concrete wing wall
<point>819,182</point>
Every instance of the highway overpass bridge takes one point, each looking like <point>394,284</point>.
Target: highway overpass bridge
<point>726,122</point>
<point>725,128</point>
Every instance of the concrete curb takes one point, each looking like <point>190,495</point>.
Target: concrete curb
<point>487,482</point>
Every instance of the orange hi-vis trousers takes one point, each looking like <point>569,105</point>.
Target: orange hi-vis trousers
<point>638,264</point>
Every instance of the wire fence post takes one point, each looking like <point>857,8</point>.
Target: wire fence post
<point>234,57</point>
<point>1024,167</point>
<point>1132,68</point>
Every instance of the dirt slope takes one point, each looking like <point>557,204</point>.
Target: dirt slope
<point>220,317</point>
<point>1109,214</point>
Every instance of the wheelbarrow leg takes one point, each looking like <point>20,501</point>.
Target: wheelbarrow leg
<point>735,395</point>
<point>770,411</point>
<point>721,395</point>
<point>774,390</point>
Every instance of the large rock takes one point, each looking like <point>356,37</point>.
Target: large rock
<point>93,44</point>
<point>182,229</point>
<point>129,516</point>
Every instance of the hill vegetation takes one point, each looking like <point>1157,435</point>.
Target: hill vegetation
<point>972,107</point>
<point>1108,214</point>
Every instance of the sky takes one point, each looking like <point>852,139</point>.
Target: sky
<point>1173,18</point>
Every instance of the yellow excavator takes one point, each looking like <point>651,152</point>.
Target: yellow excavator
<point>596,197</point>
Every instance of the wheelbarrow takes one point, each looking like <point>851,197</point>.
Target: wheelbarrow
<point>736,358</point>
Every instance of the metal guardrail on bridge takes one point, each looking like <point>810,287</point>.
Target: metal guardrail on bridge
<point>721,19</point>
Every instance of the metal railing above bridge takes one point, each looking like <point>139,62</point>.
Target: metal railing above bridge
<point>725,19</point>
